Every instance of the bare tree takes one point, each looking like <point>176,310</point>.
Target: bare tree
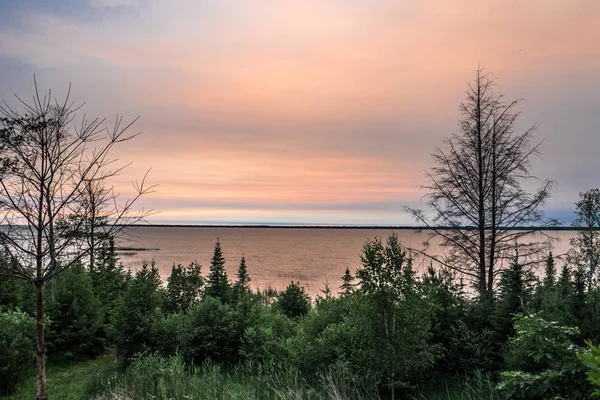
<point>585,246</point>
<point>480,209</point>
<point>46,163</point>
<point>95,209</point>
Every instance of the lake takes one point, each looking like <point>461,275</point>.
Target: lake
<point>274,256</point>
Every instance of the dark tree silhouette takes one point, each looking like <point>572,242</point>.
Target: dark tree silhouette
<point>242,285</point>
<point>585,246</point>
<point>46,162</point>
<point>476,188</point>
<point>347,285</point>
<point>217,282</point>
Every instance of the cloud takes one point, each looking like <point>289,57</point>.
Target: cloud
<point>310,102</point>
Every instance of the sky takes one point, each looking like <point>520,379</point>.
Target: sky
<point>306,111</point>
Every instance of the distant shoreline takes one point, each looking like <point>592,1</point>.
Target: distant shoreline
<point>388,227</point>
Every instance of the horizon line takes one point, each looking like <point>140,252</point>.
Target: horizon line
<point>347,226</point>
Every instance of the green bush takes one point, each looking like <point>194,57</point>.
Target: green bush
<point>293,302</point>
<point>75,329</point>
<point>184,287</point>
<point>591,359</point>
<point>542,361</point>
<point>211,331</point>
<point>136,319</point>
<point>17,337</point>
<point>264,341</point>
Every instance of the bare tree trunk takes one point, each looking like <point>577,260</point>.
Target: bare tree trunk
<point>40,350</point>
<point>480,195</point>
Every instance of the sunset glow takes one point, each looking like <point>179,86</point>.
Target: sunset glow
<point>309,111</point>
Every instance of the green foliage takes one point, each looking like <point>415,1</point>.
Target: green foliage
<point>542,361</point>
<point>109,280</point>
<point>153,377</point>
<point>516,290</point>
<point>241,287</point>
<point>264,341</point>
<point>293,302</point>
<point>217,283</point>
<point>448,304</point>
<point>140,308</point>
<point>75,327</point>
<point>211,330</point>
<point>382,266</point>
<point>69,381</point>
<point>549,273</point>
<point>184,287</point>
<point>347,283</point>
<point>591,359</point>
<point>17,335</point>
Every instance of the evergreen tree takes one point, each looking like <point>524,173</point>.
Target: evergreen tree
<point>564,282</point>
<point>242,285</point>
<point>347,285</point>
<point>75,318</point>
<point>136,319</point>
<point>293,302</point>
<point>109,279</point>
<point>184,287</point>
<point>515,294</point>
<point>550,273</point>
<point>217,284</point>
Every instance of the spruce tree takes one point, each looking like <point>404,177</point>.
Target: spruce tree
<point>347,285</point>
<point>564,282</point>
<point>217,284</point>
<point>515,293</point>
<point>550,273</point>
<point>242,285</point>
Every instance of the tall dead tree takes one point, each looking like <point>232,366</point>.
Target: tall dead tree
<point>480,209</point>
<point>46,161</point>
<point>585,245</point>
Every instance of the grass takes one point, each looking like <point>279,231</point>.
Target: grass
<point>154,377</point>
<point>479,386</point>
<point>67,382</point>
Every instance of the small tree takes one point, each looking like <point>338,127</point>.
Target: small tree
<point>549,273</point>
<point>347,285</point>
<point>46,161</point>
<point>137,315</point>
<point>293,302</point>
<point>217,283</point>
<point>75,315</point>
<point>109,279</point>
<point>184,287</point>
<point>242,285</point>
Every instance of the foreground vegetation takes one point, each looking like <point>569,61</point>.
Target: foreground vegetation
<point>385,333</point>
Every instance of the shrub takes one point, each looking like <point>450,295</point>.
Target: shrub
<point>17,336</point>
<point>542,361</point>
<point>137,316</point>
<point>211,331</point>
<point>74,331</point>
<point>293,302</point>
<point>591,359</point>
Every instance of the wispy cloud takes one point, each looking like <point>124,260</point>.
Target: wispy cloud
<point>277,104</point>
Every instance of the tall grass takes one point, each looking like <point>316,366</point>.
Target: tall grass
<point>155,377</point>
<point>479,386</point>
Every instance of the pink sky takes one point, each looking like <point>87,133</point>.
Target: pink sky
<point>310,111</point>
